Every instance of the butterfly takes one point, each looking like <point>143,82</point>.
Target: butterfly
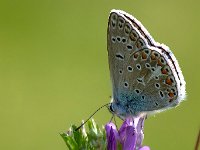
<point>145,75</point>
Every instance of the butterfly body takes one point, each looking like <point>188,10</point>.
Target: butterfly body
<point>145,75</point>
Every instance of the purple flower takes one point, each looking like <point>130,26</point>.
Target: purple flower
<point>130,135</point>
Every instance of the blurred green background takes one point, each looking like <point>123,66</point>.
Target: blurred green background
<point>54,69</point>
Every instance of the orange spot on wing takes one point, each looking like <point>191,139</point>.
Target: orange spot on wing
<point>171,95</point>
<point>168,81</point>
<point>164,71</point>
<point>144,56</point>
<point>159,63</point>
<point>153,57</point>
<point>135,55</point>
<point>133,36</point>
<point>138,44</point>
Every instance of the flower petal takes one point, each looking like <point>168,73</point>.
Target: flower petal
<point>122,130</point>
<point>112,136</point>
<point>144,148</point>
<point>108,127</point>
<point>112,144</point>
<point>140,134</point>
<point>130,134</point>
<point>130,139</point>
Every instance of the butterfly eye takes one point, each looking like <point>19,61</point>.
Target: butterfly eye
<point>111,108</point>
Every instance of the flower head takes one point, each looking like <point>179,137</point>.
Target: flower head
<point>130,135</point>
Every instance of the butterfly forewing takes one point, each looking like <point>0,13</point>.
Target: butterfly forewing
<point>144,79</point>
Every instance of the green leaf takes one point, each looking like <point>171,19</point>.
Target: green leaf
<point>91,139</point>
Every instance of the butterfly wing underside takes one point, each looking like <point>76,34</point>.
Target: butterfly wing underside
<point>145,74</point>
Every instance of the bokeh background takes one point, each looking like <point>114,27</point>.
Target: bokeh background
<point>54,69</point>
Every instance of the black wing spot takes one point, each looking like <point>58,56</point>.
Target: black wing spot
<point>153,69</point>
<point>161,94</point>
<point>137,91</point>
<point>156,54</point>
<point>141,43</point>
<point>126,84</point>
<point>119,56</point>
<point>130,47</point>
<point>138,66</point>
<point>139,80</point>
<point>147,65</point>
<point>162,60</point>
<point>172,80</point>
<point>157,85</point>
<point>129,68</point>
<point>113,39</point>
<point>123,40</point>
<point>118,39</point>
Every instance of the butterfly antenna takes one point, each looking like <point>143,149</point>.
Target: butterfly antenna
<point>91,116</point>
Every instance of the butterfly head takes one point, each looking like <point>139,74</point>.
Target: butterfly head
<point>115,110</point>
